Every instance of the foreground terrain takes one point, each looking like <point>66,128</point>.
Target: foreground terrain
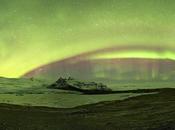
<point>28,104</point>
<point>33,92</point>
<point>155,112</point>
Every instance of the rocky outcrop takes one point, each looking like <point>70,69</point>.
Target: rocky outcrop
<point>84,87</point>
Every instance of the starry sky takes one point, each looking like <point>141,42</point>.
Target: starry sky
<point>38,32</point>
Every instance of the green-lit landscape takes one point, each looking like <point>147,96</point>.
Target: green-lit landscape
<point>37,107</point>
<point>28,104</point>
<point>35,93</point>
<point>87,65</point>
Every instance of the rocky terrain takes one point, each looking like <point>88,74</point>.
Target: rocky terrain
<point>85,87</point>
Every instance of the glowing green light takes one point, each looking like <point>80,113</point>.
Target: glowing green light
<point>136,54</point>
<point>37,32</point>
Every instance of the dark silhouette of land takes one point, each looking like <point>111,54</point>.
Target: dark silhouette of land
<point>146,112</point>
<point>80,86</point>
<point>92,87</point>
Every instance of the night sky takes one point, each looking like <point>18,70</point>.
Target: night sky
<point>38,32</point>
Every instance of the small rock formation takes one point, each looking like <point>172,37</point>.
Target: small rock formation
<point>84,87</point>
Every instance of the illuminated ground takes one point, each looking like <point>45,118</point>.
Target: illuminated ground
<point>35,93</point>
<point>146,108</point>
<point>147,112</point>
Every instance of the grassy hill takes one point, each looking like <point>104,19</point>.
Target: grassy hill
<point>33,92</point>
<point>27,104</point>
<point>146,112</point>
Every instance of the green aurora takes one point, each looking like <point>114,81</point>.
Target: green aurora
<point>38,32</point>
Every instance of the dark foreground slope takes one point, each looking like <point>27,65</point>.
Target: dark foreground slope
<point>154,111</point>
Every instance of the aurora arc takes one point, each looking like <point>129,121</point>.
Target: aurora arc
<point>38,32</point>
